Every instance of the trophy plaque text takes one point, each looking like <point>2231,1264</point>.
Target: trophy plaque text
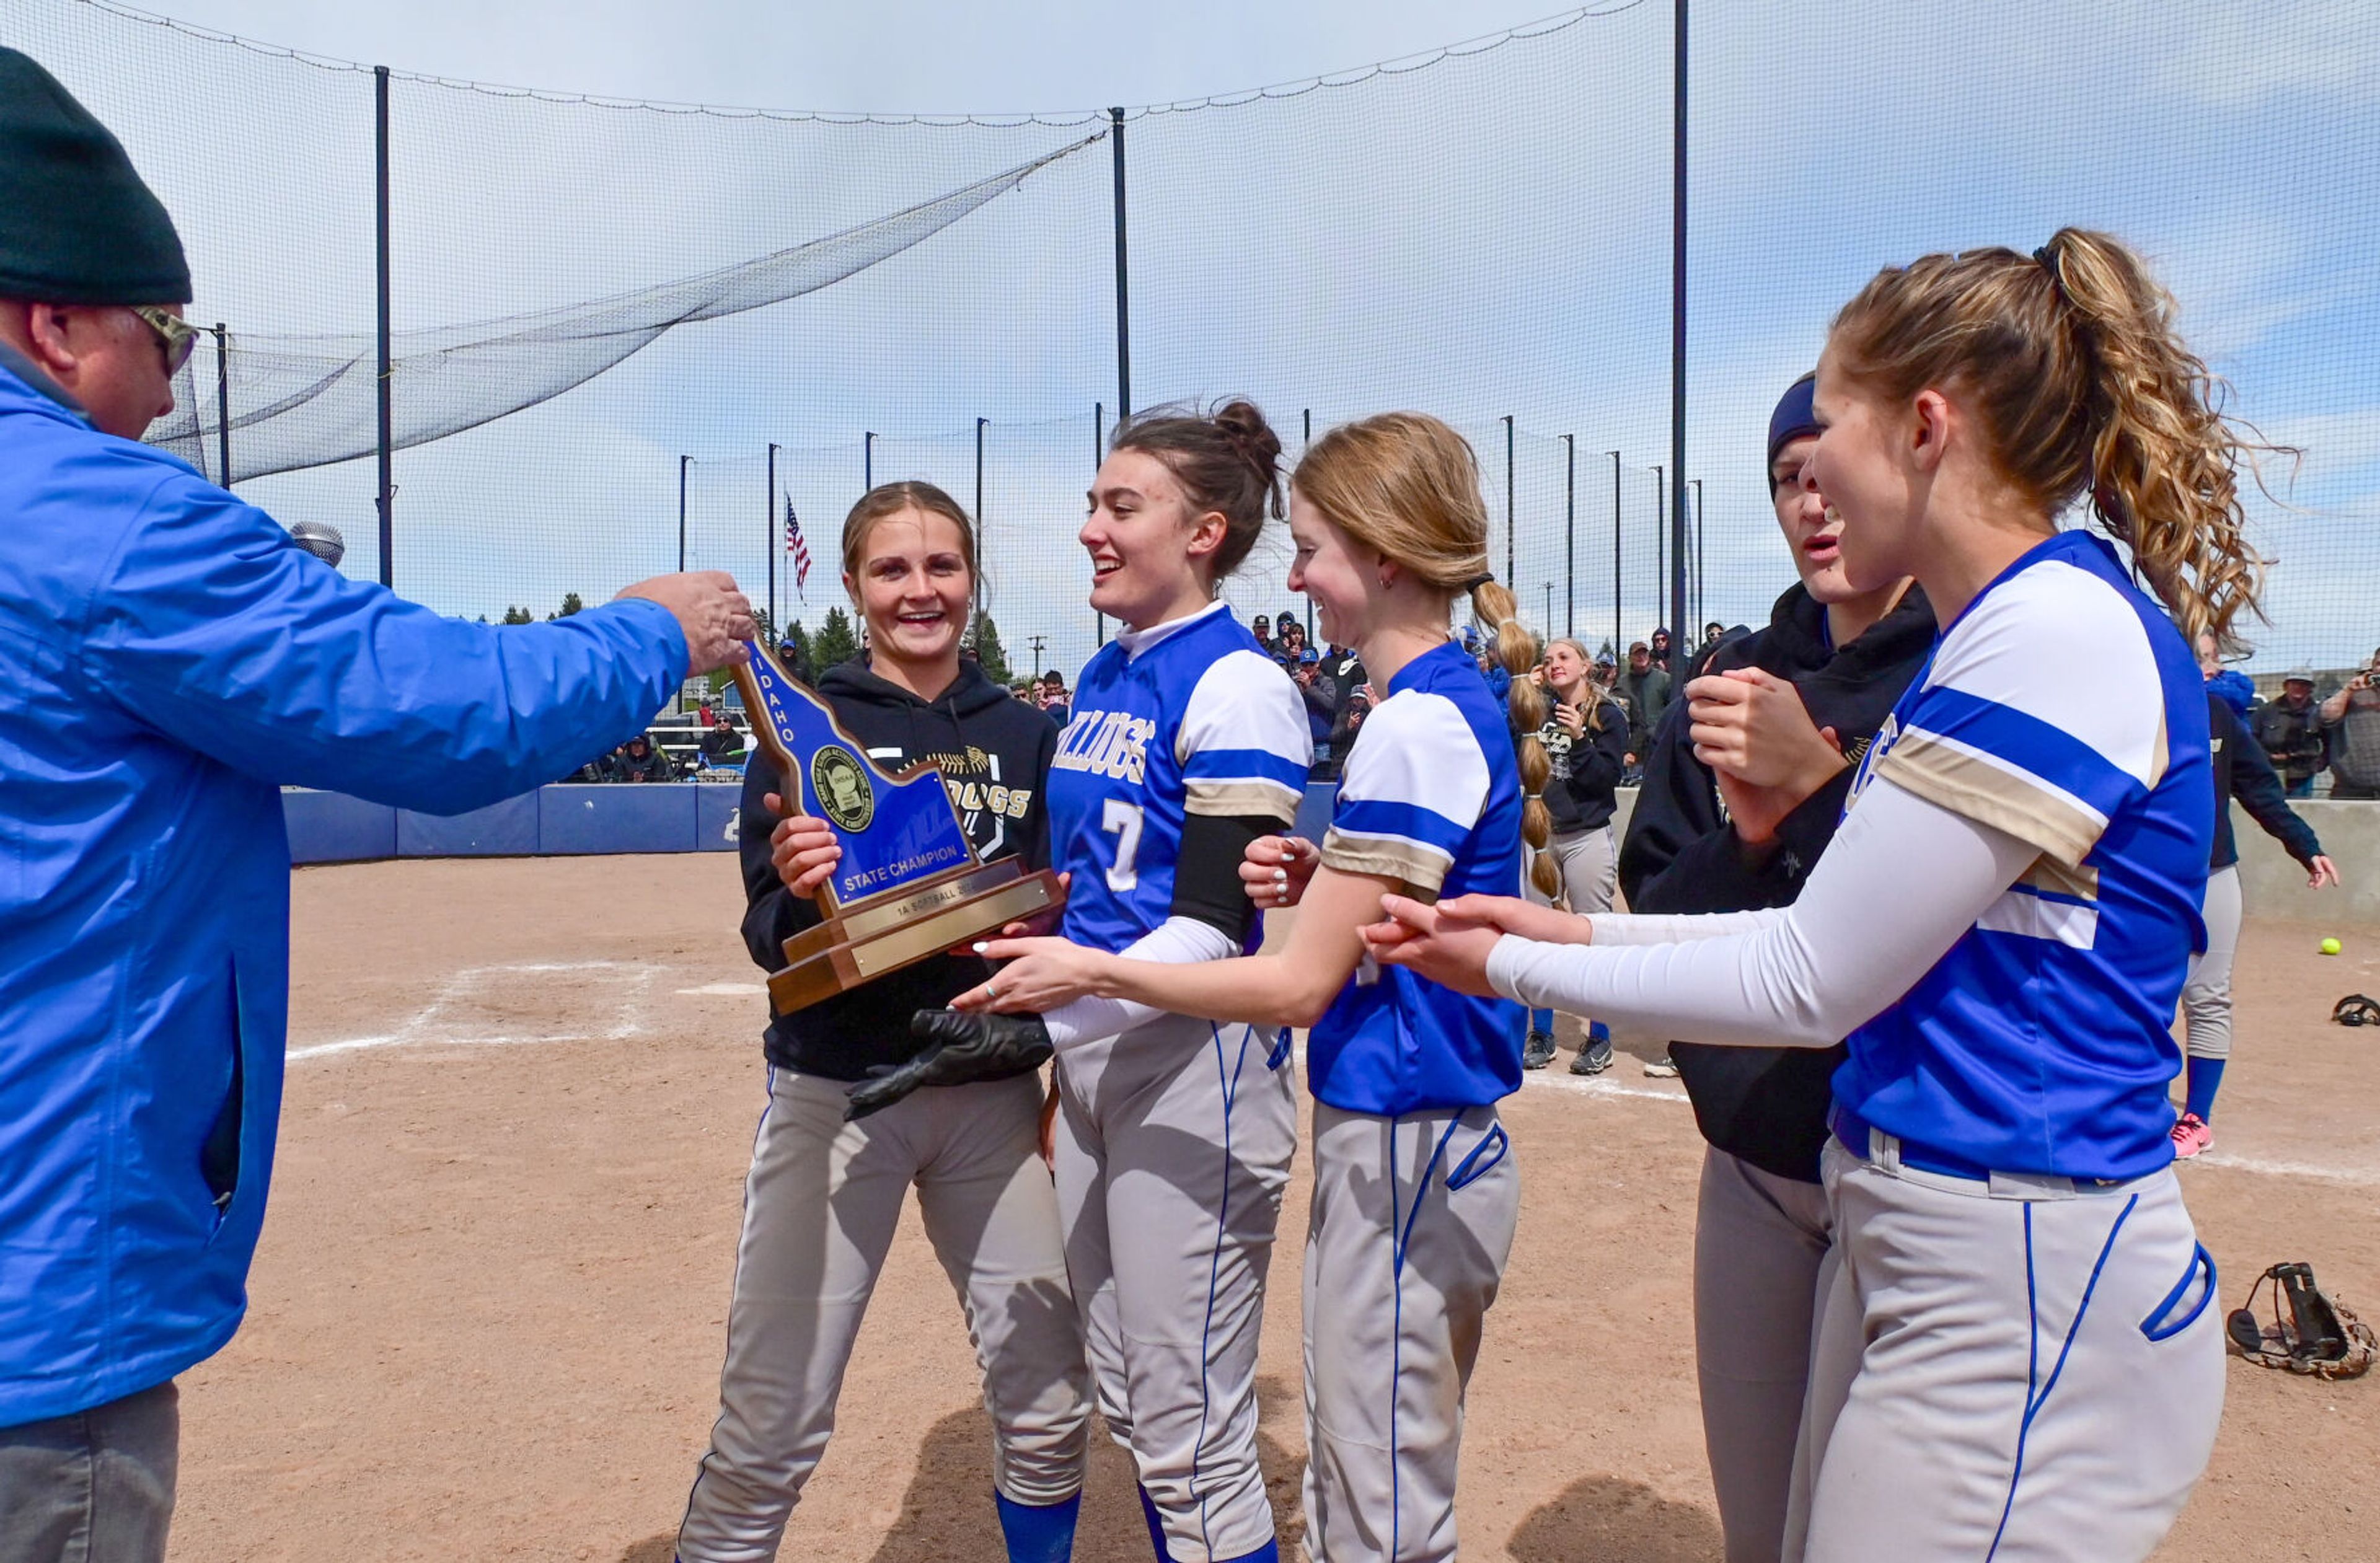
<point>909,885</point>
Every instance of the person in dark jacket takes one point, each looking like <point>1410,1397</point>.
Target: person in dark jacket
<point>825,1196</point>
<point>2241,771</point>
<point>1586,739</point>
<point>1793,706</point>
<point>2290,730</point>
<point>639,760</point>
<point>723,746</point>
<point>1643,690</point>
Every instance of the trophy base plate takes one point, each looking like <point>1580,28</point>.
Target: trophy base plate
<point>868,938</point>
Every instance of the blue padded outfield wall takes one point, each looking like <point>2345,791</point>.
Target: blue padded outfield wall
<point>568,819</point>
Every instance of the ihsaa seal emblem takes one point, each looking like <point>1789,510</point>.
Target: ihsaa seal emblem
<point>839,782</point>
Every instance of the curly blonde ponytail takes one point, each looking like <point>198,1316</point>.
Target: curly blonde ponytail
<point>1408,485</point>
<point>1516,652</point>
<point>2084,389</point>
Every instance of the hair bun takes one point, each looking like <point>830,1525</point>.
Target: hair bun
<point>1244,424</point>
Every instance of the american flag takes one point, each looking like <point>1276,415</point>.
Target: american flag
<point>796,546</point>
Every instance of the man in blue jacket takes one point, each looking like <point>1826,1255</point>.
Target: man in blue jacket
<point>167,657</point>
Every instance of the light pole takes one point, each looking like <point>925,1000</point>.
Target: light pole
<point>683,463</point>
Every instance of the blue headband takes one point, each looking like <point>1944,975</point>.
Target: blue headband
<point>1796,415</point>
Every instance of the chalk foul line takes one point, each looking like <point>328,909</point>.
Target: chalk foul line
<point>431,1025</point>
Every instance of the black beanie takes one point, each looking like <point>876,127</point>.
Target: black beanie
<point>77,223</point>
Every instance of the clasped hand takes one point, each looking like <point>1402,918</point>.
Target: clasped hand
<point>1449,943</point>
<point>1753,732</point>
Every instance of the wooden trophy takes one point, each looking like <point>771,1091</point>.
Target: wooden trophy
<point>909,885</point>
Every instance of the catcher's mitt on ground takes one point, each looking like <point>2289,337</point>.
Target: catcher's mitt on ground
<point>2317,1335</point>
<point>960,1048</point>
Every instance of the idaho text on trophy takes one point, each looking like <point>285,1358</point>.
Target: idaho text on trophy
<point>910,884</point>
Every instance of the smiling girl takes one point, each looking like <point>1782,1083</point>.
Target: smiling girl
<point>825,1194</point>
<point>1415,1190</point>
<point>1174,1135</point>
<point>2017,1355</point>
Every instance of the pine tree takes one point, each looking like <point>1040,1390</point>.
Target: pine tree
<point>834,643</point>
<point>570,604</point>
<point>518,615</point>
<point>989,650</point>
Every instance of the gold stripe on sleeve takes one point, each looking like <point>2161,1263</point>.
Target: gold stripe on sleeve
<point>1387,857</point>
<point>1977,789</point>
<point>1234,798</point>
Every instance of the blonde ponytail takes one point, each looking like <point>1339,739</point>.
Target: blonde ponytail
<point>1516,652</point>
<point>2164,459</point>
<point>1408,485</point>
<point>2084,390</point>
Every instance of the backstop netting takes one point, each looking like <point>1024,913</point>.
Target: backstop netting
<point>627,335</point>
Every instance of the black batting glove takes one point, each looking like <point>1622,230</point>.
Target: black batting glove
<point>961,1049</point>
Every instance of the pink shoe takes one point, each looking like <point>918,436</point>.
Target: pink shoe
<point>2190,1136</point>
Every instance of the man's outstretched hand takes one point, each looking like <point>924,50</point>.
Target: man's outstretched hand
<point>715,618</point>
<point>959,1049</point>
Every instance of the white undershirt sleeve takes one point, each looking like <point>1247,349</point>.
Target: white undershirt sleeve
<point>1653,928</point>
<point>1901,883</point>
<point>1177,941</point>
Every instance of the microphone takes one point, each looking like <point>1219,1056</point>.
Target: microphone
<point>322,540</point>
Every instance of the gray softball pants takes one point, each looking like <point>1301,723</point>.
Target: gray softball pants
<point>2206,997</point>
<point>1412,1222</point>
<point>2021,1371</point>
<point>1762,1248</point>
<point>819,1209</point>
<point>1590,868</point>
<point>1173,1150</point>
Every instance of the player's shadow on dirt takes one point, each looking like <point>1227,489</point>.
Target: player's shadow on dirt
<point>1616,1520</point>
<point>947,1512</point>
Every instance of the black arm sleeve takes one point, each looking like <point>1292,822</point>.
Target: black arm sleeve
<point>2258,787</point>
<point>1207,874</point>
<point>771,913</point>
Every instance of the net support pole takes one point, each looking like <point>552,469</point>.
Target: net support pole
<point>770,532</point>
<point>1660,539</point>
<point>980,422</point>
<point>1123,275</point>
<point>1678,340</point>
<point>1570,535</point>
<point>867,462</point>
<point>222,405</point>
<point>1510,579</point>
<point>1699,608</point>
<point>1618,647</point>
<point>387,438</point>
<point>683,463</point>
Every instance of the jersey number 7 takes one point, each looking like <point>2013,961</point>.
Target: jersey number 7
<point>1123,818</point>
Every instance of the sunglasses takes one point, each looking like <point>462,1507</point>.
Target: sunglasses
<point>178,335</point>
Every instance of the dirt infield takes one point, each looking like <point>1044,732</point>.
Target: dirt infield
<point>488,1313</point>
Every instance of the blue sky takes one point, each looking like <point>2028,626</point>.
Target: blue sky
<point>1485,235</point>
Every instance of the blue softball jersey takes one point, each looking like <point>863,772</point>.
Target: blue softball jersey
<point>2062,707</point>
<point>1187,717</point>
<point>1430,797</point>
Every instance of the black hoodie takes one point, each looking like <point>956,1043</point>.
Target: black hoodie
<point>994,752</point>
<point>1766,1105</point>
